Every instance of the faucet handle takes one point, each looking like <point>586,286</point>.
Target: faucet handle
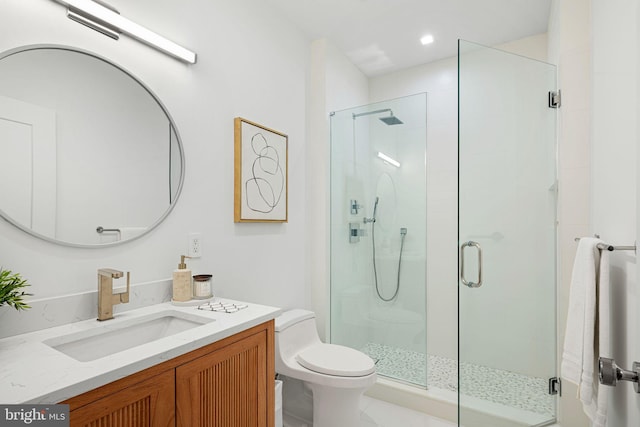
<point>106,297</point>
<point>124,296</point>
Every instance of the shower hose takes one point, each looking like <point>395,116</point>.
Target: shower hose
<point>403,233</point>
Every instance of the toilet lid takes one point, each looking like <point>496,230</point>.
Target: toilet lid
<point>336,360</point>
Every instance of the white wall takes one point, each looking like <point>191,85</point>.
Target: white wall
<point>570,49</point>
<point>251,63</point>
<point>334,84</point>
<point>614,180</point>
<point>595,44</point>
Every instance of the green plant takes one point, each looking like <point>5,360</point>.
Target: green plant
<point>12,290</point>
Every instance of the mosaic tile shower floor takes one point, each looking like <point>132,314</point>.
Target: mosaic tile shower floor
<point>493,385</point>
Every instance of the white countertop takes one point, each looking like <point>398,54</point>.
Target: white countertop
<point>33,372</point>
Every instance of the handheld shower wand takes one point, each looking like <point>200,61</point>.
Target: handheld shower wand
<point>375,208</point>
<point>403,235</point>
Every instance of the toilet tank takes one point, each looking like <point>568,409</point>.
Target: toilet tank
<point>295,330</point>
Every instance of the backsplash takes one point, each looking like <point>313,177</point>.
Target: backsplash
<point>55,311</point>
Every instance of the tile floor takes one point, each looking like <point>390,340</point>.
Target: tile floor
<point>376,413</point>
<point>489,390</point>
<point>492,385</point>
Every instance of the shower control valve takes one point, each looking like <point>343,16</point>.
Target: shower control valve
<point>355,232</point>
<point>355,207</point>
<point>610,373</point>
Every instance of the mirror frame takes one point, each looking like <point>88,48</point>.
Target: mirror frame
<point>166,213</point>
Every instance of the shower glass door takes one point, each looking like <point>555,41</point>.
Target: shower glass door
<point>378,234</point>
<point>507,219</point>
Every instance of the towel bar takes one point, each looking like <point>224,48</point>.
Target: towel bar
<point>608,247</point>
<point>616,248</point>
<point>101,230</point>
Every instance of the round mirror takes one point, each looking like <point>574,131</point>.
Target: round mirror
<point>90,155</point>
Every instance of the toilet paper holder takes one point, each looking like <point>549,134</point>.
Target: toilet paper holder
<point>609,373</point>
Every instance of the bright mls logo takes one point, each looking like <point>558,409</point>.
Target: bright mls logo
<point>34,415</point>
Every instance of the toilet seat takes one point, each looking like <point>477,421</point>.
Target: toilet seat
<point>338,360</point>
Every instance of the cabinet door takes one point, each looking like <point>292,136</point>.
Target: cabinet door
<point>150,403</point>
<point>226,388</point>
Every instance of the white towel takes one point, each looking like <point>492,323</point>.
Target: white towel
<point>597,409</point>
<point>588,328</point>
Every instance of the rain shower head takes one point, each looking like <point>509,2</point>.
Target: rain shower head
<point>391,120</point>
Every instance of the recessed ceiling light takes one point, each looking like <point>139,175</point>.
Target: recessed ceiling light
<point>426,39</point>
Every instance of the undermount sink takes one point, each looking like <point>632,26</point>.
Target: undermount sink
<point>110,338</point>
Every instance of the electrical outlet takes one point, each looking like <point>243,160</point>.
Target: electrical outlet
<point>195,245</point>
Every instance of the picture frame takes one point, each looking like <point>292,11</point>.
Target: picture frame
<point>261,189</point>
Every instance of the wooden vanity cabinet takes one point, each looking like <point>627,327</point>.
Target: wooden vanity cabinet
<point>148,403</point>
<point>226,387</point>
<point>229,383</point>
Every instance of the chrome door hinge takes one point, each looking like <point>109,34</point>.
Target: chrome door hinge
<point>555,99</point>
<point>555,386</point>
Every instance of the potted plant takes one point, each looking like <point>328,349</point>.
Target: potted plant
<point>12,290</point>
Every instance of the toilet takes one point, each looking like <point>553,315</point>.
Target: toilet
<point>336,375</point>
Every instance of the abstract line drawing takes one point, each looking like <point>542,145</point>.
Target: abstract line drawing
<point>264,188</point>
<point>260,173</point>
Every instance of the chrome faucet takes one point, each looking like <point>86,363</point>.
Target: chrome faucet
<point>106,298</point>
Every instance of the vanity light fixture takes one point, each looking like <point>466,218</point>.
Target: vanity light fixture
<point>101,27</point>
<point>388,159</point>
<point>426,39</point>
<point>109,22</point>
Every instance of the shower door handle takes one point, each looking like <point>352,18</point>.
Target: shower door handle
<point>464,280</point>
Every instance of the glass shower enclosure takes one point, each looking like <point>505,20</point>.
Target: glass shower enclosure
<point>378,234</point>
<point>393,254</point>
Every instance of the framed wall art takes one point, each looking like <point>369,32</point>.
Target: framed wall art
<point>261,173</point>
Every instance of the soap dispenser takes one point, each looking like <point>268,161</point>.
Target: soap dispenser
<point>182,281</point>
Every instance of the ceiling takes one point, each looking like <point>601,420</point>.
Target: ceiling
<point>382,36</point>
